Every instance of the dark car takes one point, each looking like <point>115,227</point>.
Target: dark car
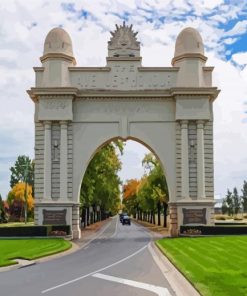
<point>126,220</point>
<point>121,216</point>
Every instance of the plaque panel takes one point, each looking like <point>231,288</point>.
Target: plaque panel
<point>54,217</point>
<point>194,216</point>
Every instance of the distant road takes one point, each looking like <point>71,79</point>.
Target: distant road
<point>117,263</point>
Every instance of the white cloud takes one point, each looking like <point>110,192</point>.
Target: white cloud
<point>240,58</point>
<point>21,45</point>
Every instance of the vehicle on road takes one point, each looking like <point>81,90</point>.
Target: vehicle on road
<point>121,216</point>
<point>126,220</point>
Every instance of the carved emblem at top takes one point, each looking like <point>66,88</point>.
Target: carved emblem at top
<point>123,42</point>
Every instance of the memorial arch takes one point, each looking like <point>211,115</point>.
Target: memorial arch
<point>78,109</point>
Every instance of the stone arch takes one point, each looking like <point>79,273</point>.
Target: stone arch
<point>169,109</point>
<point>85,164</point>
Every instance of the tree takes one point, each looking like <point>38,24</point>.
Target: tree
<point>16,200</point>
<point>22,164</point>
<point>244,197</point>
<point>101,183</point>
<point>3,217</point>
<point>236,201</point>
<point>228,203</point>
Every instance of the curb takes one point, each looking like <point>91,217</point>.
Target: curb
<point>179,284</point>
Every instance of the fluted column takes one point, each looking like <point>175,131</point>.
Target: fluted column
<point>47,160</point>
<point>184,159</point>
<point>64,160</point>
<point>200,160</point>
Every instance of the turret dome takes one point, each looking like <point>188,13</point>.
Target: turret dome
<point>58,41</point>
<point>189,41</point>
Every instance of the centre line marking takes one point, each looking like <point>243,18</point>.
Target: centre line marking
<point>96,271</point>
<point>156,289</point>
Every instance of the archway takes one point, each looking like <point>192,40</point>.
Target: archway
<point>77,109</point>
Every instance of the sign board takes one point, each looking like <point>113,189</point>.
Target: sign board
<point>54,217</point>
<point>194,216</point>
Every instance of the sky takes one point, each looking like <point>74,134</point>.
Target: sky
<point>222,25</point>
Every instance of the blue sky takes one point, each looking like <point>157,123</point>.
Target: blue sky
<point>222,24</point>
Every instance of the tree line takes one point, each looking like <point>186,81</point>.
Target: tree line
<point>233,203</point>
<point>148,196</point>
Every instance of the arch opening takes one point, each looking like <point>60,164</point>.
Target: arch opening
<point>114,167</point>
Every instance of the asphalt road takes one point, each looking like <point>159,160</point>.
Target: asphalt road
<point>118,262</point>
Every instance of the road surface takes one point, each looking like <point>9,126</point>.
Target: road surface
<point>117,262</point>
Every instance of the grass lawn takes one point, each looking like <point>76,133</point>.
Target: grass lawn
<point>29,249</point>
<point>13,224</point>
<point>216,266</point>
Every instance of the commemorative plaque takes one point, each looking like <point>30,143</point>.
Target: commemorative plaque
<point>194,216</point>
<point>54,217</point>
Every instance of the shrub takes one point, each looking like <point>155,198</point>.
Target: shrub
<point>217,229</point>
<point>27,231</point>
<point>57,233</point>
<point>192,231</point>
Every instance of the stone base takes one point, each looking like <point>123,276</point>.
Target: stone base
<point>53,210</point>
<point>190,212</point>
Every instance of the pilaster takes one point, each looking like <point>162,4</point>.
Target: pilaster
<point>47,160</point>
<point>184,159</point>
<point>200,160</point>
<point>64,160</point>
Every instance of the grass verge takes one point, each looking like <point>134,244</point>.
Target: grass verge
<point>30,249</point>
<point>216,266</point>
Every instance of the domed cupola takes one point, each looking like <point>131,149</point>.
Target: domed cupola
<point>188,44</point>
<point>58,45</point>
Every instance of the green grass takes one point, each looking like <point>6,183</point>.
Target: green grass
<point>13,224</point>
<point>29,249</point>
<point>216,266</point>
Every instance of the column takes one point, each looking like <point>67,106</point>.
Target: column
<point>64,160</point>
<point>184,159</point>
<point>47,160</point>
<point>200,160</point>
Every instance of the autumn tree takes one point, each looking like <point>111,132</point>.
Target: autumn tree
<point>130,200</point>
<point>16,200</point>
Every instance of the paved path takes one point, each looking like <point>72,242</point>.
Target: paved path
<point>117,262</point>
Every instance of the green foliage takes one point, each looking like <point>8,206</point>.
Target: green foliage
<point>3,216</point>
<point>231,203</point>
<point>151,191</point>
<point>244,197</point>
<point>18,171</point>
<point>101,184</point>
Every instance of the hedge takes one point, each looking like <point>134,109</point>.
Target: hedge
<point>217,229</point>
<point>26,231</point>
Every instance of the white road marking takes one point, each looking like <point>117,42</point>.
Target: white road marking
<point>115,232</point>
<point>99,234</point>
<point>96,271</point>
<point>156,289</point>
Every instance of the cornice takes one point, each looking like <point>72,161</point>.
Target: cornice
<point>212,92</point>
<point>124,59</point>
<point>58,56</point>
<point>89,69</point>
<point>36,92</point>
<point>189,56</point>
<point>158,69</point>
<point>177,92</point>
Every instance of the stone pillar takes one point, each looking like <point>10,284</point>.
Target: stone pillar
<point>184,160</point>
<point>64,160</point>
<point>173,229</point>
<point>47,160</point>
<point>200,160</point>
<point>76,230</point>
